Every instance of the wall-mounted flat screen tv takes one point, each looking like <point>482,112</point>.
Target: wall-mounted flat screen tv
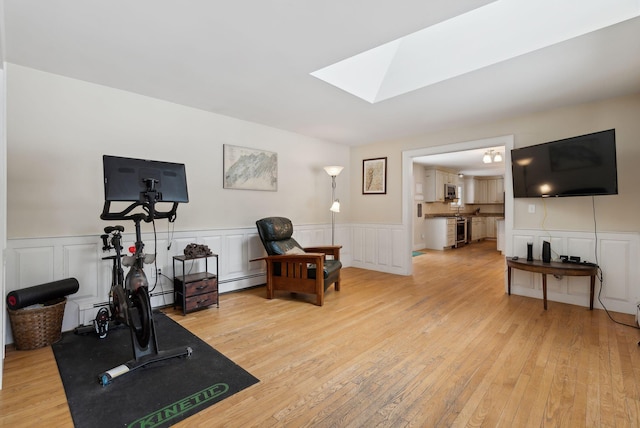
<point>577,166</point>
<point>125,179</point>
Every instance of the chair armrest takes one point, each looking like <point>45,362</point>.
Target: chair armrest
<point>327,250</point>
<point>306,257</point>
<point>295,265</point>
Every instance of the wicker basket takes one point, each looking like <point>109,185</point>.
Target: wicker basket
<point>35,328</point>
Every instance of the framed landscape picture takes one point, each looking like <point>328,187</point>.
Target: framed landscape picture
<point>374,176</point>
<point>249,169</point>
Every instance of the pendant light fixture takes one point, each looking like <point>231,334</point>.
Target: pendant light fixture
<point>490,156</point>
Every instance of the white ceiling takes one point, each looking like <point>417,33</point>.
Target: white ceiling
<point>252,60</point>
<point>469,42</point>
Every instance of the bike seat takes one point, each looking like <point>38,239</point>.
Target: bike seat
<point>110,229</point>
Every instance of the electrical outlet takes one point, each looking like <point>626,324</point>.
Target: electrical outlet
<point>532,209</point>
<point>159,272</point>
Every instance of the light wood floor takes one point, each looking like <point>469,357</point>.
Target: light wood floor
<point>445,347</point>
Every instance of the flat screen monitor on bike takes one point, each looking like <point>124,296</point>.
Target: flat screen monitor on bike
<point>126,179</point>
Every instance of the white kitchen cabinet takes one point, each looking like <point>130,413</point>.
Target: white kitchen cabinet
<point>491,227</point>
<point>440,233</point>
<point>481,190</point>
<point>451,232</point>
<point>478,228</point>
<point>451,178</point>
<point>500,232</point>
<point>484,190</point>
<point>495,190</point>
<point>500,190</point>
<point>434,182</point>
<point>441,179</point>
<point>469,190</point>
<point>429,188</point>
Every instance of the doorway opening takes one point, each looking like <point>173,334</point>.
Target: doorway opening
<point>409,202</point>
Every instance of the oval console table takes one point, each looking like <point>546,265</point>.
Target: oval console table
<point>553,268</point>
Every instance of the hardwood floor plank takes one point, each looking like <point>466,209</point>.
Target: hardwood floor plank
<point>444,347</point>
<point>580,400</point>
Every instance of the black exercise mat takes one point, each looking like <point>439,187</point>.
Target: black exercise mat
<point>158,395</point>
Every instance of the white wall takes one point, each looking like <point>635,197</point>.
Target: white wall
<point>615,213</point>
<point>565,218</point>
<point>59,128</point>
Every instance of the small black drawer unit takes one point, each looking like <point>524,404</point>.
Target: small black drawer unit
<point>195,290</point>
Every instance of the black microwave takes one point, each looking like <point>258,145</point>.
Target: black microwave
<point>450,192</point>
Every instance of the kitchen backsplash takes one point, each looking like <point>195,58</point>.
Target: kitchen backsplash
<point>445,208</point>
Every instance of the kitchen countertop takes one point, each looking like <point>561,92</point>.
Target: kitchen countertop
<point>466,215</point>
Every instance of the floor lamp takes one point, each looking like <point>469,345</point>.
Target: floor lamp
<point>333,171</point>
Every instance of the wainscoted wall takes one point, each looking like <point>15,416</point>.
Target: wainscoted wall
<point>369,246</point>
<point>37,261</point>
<point>617,254</point>
<point>380,247</point>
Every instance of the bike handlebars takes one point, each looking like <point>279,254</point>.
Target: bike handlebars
<point>150,214</point>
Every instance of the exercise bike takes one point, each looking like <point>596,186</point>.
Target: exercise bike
<point>130,303</point>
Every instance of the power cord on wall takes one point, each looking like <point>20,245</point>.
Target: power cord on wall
<point>170,233</point>
<point>544,218</point>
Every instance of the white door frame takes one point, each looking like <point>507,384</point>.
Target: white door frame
<point>407,185</point>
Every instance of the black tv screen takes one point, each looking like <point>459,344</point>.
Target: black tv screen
<point>577,166</point>
<point>124,179</point>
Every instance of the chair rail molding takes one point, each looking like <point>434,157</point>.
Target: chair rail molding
<point>379,247</point>
<point>33,261</point>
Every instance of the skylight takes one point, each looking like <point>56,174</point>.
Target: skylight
<point>488,35</point>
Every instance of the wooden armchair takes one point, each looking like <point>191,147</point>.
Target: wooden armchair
<point>293,268</point>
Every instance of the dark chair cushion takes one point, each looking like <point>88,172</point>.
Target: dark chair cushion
<point>275,233</point>
<point>330,267</point>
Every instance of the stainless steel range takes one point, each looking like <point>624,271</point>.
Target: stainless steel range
<point>461,231</point>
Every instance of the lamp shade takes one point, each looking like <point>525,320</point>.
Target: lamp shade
<point>486,158</point>
<point>497,157</point>
<point>335,207</point>
<point>333,170</point>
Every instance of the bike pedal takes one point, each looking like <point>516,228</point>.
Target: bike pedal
<point>101,323</point>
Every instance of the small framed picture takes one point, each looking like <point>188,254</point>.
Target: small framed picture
<point>374,176</point>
